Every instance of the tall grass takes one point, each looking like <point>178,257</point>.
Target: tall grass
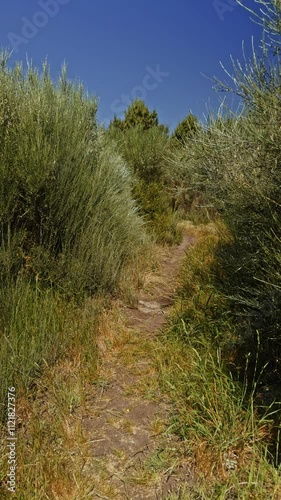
<point>49,354</point>
<point>37,329</point>
<point>226,440</point>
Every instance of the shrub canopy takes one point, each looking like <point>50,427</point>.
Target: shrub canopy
<point>67,216</point>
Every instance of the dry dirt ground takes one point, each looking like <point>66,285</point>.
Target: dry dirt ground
<point>133,453</point>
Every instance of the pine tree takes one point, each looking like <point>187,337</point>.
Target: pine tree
<point>186,129</point>
<point>137,115</point>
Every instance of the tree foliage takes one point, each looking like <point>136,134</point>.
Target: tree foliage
<point>138,115</point>
<point>144,144</point>
<point>186,129</point>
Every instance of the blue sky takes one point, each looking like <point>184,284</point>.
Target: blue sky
<point>154,49</point>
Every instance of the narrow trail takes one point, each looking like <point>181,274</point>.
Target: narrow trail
<point>131,453</point>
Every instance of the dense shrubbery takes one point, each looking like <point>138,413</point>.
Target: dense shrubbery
<point>144,151</point>
<point>235,164</point>
<point>154,200</point>
<point>145,146</point>
<point>66,211</point>
<point>68,219</point>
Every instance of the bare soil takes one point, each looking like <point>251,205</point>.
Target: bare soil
<point>132,452</point>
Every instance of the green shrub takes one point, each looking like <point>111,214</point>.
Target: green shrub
<point>68,221</point>
<point>144,151</point>
<point>235,164</point>
<point>67,215</point>
<point>153,199</point>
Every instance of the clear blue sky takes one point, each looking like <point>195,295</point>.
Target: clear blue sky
<point>113,46</point>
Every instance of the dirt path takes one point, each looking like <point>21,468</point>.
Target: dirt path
<point>132,454</point>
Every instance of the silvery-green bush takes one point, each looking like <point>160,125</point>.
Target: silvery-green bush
<point>67,216</point>
<point>235,163</point>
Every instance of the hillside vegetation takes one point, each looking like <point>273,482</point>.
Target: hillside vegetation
<point>81,210</point>
<point>235,166</point>
<point>69,223</point>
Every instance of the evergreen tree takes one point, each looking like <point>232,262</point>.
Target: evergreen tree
<point>116,124</point>
<point>137,115</point>
<point>186,129</point>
